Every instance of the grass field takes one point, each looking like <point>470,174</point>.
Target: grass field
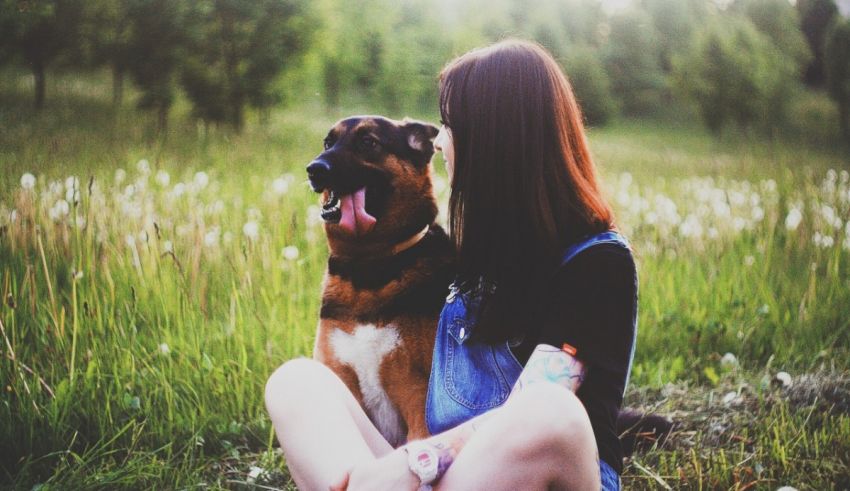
<point>149,288</point>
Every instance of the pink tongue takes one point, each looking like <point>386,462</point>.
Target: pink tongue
<point>354,219</point>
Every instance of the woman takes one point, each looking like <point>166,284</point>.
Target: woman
<point>536,339</point>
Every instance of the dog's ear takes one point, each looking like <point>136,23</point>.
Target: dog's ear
<point>420,138</point>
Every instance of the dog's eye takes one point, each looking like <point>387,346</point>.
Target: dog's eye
<point>369,142</point>
<point>328,143</point>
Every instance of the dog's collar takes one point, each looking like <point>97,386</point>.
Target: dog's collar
<point>407,244</point>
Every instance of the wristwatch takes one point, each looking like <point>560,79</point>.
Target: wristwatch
<point>423,461</point>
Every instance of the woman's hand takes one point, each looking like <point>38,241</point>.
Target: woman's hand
<point>388,473</point>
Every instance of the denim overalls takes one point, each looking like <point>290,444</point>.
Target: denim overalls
<point>468,379</point>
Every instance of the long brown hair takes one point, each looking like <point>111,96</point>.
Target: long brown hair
<point>524,185</point>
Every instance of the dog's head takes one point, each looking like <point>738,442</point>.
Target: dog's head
<point>376,181</point>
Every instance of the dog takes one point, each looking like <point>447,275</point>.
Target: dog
<point>389,268</point>
<point>388,274</point>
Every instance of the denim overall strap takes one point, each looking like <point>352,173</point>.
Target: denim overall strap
<point>609,237</point>
<point>469,378</point>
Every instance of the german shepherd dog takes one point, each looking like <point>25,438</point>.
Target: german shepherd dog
<point>388,273</point>
<point>389,268</point>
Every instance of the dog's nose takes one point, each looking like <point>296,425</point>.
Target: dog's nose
<point>318,168</point>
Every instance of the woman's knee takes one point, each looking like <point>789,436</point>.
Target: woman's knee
<point>551,420</point>
<point>292,381</point>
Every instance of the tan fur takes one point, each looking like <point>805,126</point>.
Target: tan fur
<point>404,371</point>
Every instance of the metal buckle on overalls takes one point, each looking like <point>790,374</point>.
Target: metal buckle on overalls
<point>453,290</point>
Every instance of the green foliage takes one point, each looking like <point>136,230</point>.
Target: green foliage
<point>815,18</point>
<point>837,63</point>
<point>236,49</point>
<point>780,22</point>
<point>591,85</point>
<point>632,62</point>
<point>676,22</point>
<point>156,48</point>
<point>736,75</point>
<point>39,31</point>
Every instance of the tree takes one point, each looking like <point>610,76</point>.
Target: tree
<point>736,75</point>
<point>815,19</point>
<point>676,22</point>
<point>38,31</point>
<point>631,60</point>
<point>106,32</point>
<point>236,51</point>
<point>591,85</point>
<point>780,22</point>
<point>837,65</point>
<point>156,48</point>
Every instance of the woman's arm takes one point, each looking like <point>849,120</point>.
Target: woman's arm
<point>547,364</point>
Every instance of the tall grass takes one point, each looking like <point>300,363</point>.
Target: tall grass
<point>141,318</point>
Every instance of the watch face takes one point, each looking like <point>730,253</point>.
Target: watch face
<point>424,459</point>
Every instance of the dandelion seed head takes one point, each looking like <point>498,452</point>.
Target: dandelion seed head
<point>168,246</point>
<point>729,360</point>
<point>792,221</point>
<point>280,186</point>
<point>28,181</point>
<point>201,180</point>
<point>163,178</point>
<point>212,236</point>
<point>290,253</point>
<point>251,230</point>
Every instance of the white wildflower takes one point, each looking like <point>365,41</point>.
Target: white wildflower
<point>758,214</point>
<point>783,379</point>
<point>164,349</point>
<point>62,208</point>
<point>130,240</point>
<point>178,190</point>
<point>729,360</point>
<point>168,246</point>
<point>254,472</point>
<point>792,221</point>
<point>731,398</point>
<point>251,230</point>
<point>27,181</point>
<point>280,186</point>
<point>831,175</point>
<point>201,180</point>
<point>290,253</point>
<point>120,175</point>
<point>162,178</point>
<point>749,260</point>
<point>211,237</point>
<point>787,488</point>
<point>143,166</point>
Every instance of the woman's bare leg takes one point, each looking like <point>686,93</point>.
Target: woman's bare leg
<point>540,439</point>
<point>322,429</point>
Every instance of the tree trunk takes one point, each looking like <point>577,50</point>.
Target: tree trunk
<point>162,119</point>
<point>38,74</point>
<point>117,86</point>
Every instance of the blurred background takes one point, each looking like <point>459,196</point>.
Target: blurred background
<point>161,252</point>
<point>754,65</point>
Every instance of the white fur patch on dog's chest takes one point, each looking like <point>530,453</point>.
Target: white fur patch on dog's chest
<point>364,350</point>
